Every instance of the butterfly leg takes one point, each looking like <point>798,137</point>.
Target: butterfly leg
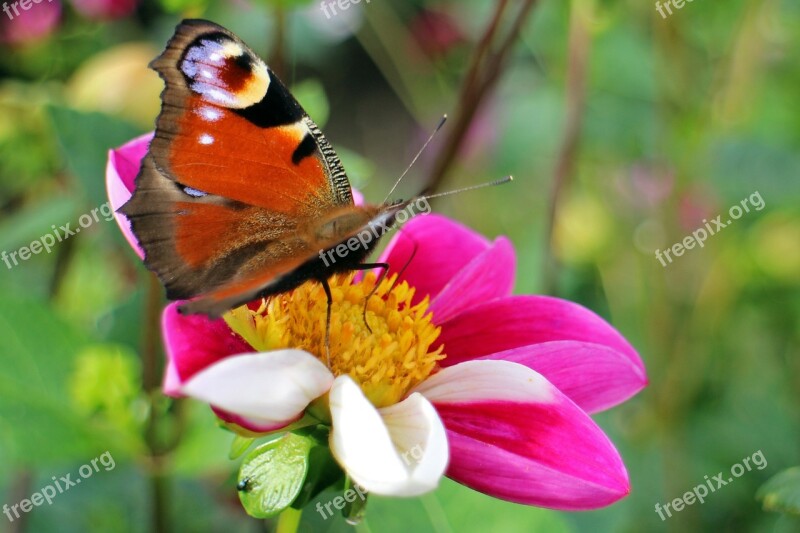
<point>327,289</point>
<point>367,266</point>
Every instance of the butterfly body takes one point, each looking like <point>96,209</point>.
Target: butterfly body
<point>240,194</point>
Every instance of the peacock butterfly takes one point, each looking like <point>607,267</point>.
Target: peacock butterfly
<point>240,194</point>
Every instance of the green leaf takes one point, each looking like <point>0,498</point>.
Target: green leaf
<point>36,220</point>
<point>782,492</point>
<point>272,475</point>
<point>359,169</point>
<point>453,507</point>
<point>177,6</point>
<point>311,95</point>
<point>85,139</point>
<point>105,387</point>
<point>26,146</point>
<point>36,421</point>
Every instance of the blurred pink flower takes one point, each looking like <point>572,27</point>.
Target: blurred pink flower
<point>19,25</point>
<point>507,404</point>
<point>645,186</point>
<point>436,32</point>
<point>104,9</point>
<point>696,205</point>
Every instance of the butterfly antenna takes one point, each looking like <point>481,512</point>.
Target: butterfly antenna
<point>471,188</point>
<point>424,146</point>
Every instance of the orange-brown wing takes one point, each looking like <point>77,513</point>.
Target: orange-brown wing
<point>235,169</point>
<point>199,243</point>
<point>362,225</point>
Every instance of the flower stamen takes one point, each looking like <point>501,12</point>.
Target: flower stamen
<point>386,350</point>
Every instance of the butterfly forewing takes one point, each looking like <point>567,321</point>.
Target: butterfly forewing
<point>237,177</point>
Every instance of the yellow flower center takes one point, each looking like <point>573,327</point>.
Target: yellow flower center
<point>387,358</point>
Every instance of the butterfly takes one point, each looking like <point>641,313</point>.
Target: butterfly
<point>240,195</point>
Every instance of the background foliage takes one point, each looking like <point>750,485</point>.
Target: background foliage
<point>645,126</point>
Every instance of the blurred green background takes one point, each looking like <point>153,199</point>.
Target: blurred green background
<point>642,125</point>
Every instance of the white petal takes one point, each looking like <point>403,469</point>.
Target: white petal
<point>486,380</point>
<point>268,388</point>
<point>419,436</point>
<point>380,455</point>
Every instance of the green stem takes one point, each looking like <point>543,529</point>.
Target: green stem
<point>289,520</point>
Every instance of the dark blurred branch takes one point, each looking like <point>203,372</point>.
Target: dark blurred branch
<point>578,57</point>
<point>151,335</point>
<point>278,56</point>
<point>485,70</point>
<point>64,254</point>
<point>20,489</point>
<point>152,367</point>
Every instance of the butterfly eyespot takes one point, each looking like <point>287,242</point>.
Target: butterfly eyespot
<point>244,61</point>
<point>223,72</point>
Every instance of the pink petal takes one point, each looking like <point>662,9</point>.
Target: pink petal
<point>488,276</point>
<point>593,376</point>
<point>530,445</point>
<point>519,321</point>
<point>443,247</point>
<point>193,343</point>
<point>121,171</point>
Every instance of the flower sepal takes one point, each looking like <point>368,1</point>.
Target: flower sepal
<point>288,471</point>
<point>272,476</point>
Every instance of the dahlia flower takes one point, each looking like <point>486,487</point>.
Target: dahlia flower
<point>447,373</point>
